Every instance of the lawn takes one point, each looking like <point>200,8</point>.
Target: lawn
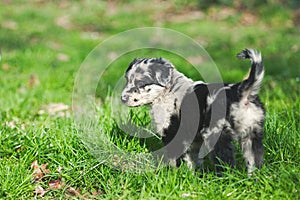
<point>44,152</point>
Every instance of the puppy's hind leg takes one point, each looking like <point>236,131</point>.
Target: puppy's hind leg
<point>246,145</point>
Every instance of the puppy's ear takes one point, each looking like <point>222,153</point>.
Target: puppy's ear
<point>163,77</point>
<point>162,73</point>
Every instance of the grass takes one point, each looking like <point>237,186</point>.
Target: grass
<point>43,44</point>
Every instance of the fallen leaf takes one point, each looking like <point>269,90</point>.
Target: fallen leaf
<point>221,14</point>
<point>55,109</point>
<point>59,169</point>
<point>90,35</point>
<point>39,190</point>
<point>55,184</point>
<point>62,57</point>
<point>34,165</point>
<point>64,4</point>
<point>96,193</point>
<point>12,25</point>
<point>184,195</point>
<point>184,16</point>
<point>5,67</point>
<point>37,172</point>
<point>33,81</point>
<point>23,127</point>
<point>74,192</point>
<point>11,124</point>
<point>248,19</point>
<point>64,22</point>
<point>44,168</point>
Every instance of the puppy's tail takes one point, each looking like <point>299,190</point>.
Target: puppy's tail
<point>251,85</point>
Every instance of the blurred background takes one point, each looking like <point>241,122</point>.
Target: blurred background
<point>43,43</point>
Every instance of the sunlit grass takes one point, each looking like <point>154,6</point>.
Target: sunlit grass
<point>43,44</point>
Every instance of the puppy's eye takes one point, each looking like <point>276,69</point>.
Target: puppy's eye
<point>149,89</point>
<point>143,85</point>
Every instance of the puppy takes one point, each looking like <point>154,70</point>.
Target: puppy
<point>196,118</point>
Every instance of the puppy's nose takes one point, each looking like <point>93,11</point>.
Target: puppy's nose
<point>124,98</point>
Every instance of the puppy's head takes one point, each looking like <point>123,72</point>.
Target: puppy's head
<point>147,79</point>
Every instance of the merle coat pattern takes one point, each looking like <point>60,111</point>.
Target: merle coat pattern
<point>195,118</point>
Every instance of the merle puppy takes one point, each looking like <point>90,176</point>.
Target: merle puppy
<point>195,118</point>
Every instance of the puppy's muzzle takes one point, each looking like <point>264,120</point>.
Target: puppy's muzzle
<point>124,98</point>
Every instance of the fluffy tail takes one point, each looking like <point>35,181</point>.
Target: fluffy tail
<point>251,85</point>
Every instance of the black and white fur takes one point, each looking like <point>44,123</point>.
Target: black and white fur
<point>183,111</point>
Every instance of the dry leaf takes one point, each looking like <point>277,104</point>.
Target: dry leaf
<point>221,14</point>
<point>37,172</point>
<point>34,165</point>
<point>248,19</point>
<point>55,184</point>
<point>33,81</point>
<point>74,192</point>
<point>96,193</point>
<point>64,22</point>
<point>59,169</point>
<point>55,109</point>
<point>23,127</point>
<point>184,16</point>
<point>90,35</point>
<point>62,57</point>
<point>12,25</point>
<point>11,124</point>
<point>44,168</point>
<point>39,191</point>
<point>5,66</point>
<point>185,195</point>
<point>64,4</point>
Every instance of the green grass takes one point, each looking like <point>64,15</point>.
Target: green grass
<point>40,59</point>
